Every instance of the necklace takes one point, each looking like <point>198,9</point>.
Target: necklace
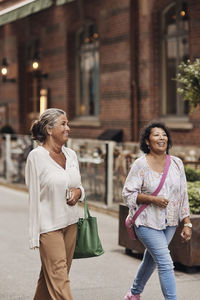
<point>56,153</point>
<point>53,152</point>
<point>59,157</point>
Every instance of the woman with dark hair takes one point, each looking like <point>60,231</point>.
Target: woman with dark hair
<point>54,182</point>
<point>156,224</point>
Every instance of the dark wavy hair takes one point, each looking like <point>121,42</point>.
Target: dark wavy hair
<point>146,133</point>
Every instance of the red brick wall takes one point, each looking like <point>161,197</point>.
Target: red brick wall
<point>56,27</point>
<point>186,137</point>
<point>9,91</point>
<point>194,11</point>
<point>149,66</point>
<point>51,28</point>
<point>112,19</point>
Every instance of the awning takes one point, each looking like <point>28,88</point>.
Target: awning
<point>22,10</point>
<point>60,2</point>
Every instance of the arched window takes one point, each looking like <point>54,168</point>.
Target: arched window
<point>87,71</point>
<point>175,48</point>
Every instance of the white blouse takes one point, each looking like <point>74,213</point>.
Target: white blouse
<point>47,182</point>
<point>142,179</point>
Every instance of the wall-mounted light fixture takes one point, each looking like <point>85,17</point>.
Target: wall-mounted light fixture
<point>4,72</point>
<point>35,65</point>
<point>36,68</point>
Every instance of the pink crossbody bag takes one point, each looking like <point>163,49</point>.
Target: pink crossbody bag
<point>130,222</point>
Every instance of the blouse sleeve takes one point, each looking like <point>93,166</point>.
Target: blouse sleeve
<point>80,185</point>
<point>133,185</point>
<point>184,210</point>
<point>32,181</point>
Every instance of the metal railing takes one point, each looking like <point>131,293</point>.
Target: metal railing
<point>14,150</point>
<point>104,165</point>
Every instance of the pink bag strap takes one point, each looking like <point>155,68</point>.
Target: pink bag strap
<point>142,207</point>
<point>166,168</point>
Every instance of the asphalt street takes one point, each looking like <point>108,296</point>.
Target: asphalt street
<point>102,278</point>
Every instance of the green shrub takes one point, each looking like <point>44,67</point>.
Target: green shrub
<point>188,78</point>
<point>192,174</point>
<point>194,196</point>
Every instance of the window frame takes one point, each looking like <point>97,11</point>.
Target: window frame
<point>164,58</point>
<point>94,50</point>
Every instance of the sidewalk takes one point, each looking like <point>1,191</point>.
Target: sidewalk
<point>97,206</point>
<point>102,278</point>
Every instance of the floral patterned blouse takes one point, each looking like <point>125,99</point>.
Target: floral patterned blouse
<point>142,179</point>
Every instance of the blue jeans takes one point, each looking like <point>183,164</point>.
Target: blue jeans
<point>156,254</point>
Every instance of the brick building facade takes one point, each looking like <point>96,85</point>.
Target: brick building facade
<point>109,64</point>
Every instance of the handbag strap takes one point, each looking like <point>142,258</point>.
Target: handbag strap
<point>86,210</point>
<point>164,175</point>
<point>166,168</point>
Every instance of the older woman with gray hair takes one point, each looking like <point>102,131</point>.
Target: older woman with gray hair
<point>54,182</point>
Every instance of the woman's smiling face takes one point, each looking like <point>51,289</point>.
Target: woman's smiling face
<point>60,131</point>
<point>158,140</point>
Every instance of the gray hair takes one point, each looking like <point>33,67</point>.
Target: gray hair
<point>47,119</point>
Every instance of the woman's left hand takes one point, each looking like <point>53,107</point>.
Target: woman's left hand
<point>75,194</point>
<point>186,234</point>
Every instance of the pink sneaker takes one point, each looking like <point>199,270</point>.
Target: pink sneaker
<point>130,296</point>
<point>129,228</point>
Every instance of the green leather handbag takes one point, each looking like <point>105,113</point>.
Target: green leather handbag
<point>88,243</point>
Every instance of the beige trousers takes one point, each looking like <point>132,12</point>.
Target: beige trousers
<point>56,253</point>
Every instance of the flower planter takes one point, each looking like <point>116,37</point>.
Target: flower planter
<point>185,254</point>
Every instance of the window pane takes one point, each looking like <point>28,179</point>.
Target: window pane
<point>170,21</point>
<point>88,72</point>
<point>171,88</point>
<point>175,50</point>
<point>171,73</point>
<point>183,48</point>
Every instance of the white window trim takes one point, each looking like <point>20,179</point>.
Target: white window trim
<point>177,122</point>
<point>85,121</point>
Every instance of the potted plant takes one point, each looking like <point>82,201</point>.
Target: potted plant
<point>188,79</point>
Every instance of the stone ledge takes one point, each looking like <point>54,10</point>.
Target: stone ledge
<point>177,123</point>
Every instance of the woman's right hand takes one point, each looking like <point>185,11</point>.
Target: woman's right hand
<point>160,201</point>
<point>74,195</point>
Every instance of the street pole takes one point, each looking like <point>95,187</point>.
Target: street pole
<point>109,162</point>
